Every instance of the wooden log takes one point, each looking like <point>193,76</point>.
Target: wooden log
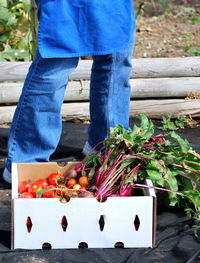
<point>166,67</point>
<point>142,68</point>
<point>140,88</point>
<point>154,109</point>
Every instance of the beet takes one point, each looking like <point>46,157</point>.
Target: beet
<point>71,173</point>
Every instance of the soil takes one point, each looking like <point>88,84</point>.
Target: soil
<point>167,32</point>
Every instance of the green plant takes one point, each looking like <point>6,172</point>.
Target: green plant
<point>172,122</point>
<point>187,36</point>
<point>191,49</point>
<point>188,10</point>
<point>196,20</point>
<point>165,4</point>
<point>14,30</point>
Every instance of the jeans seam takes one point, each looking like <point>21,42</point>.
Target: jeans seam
<point>110,92</point>
<point>18,120</point>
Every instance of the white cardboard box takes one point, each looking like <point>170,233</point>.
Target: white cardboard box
<point>127,220</point>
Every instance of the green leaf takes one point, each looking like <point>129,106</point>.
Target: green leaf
<point>192,164</point>
<point>173,199</point>
<point>172,184</point>
<point>153,165</point>
<point>4,36</point>
<point>184,144</point>
<point>92,158</point>
<point>147,127</point>
<point>129,180</point>
<point>11,54</point>
<point>117,131</point>
<point>156,177</point>
<point>193,197</point>
<point>23,43</point>
<point>192,50</point>
<point>126,163</point>
<point>41,191</point>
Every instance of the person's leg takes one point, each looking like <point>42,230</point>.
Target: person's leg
<point>109,94</point>
<point>37,124</point>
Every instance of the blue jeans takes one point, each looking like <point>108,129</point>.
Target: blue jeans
<point>37,124</point>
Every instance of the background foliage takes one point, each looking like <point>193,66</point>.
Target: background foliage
<point>15,35</point>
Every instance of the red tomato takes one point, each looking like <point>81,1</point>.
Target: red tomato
<point>23,187</point>
<point>54,177</point>
<point>83,181</point>
<point>71,182</point>
<point>43,183</point>
<point>26,195</point>
<point>50,193</point>
<point>34,187</point>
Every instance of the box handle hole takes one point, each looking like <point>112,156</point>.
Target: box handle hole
<point>64,223</point>
<point>137,223</point>
<point>83,245</point>
<point>46,246</point>
<point>101,222</point>
<point>29,224</point>
<point>119,245</point>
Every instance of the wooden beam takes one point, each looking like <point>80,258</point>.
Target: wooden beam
<point>154,109</point>
<point>140,88</point>
<point>142,68</point>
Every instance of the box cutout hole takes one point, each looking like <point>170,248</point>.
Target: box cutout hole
<point>64,223</point>
<point>83,245</point>
<point>119,245</point>
<point>101,222</point>
<point>136,222</point>
<point>101,199</point>
<point>65,200</point>
<point>29,224</point>
<point>46,246</point>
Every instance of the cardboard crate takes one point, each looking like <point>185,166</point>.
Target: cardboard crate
<point>127,221</point>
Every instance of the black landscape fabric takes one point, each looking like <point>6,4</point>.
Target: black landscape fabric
<point>177,239</point>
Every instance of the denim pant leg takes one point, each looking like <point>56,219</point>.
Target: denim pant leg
<point>37,123</point>
<point>109,93</point>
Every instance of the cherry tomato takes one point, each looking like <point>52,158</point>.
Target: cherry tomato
<point>62,190</point>
<point>26,195</point>
<point>83,181</point>
<point>34,187</point>
<point>43,183</point>
<point>54,177</point>
<point>71,182</point>
<point>76,186</point>
<point>23,187</point>
<point>50,193</point>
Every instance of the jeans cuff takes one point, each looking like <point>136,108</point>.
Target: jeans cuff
<point>87,148</point>
<point>7,176</point>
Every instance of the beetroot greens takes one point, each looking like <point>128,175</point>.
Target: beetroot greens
<point>128,157</point>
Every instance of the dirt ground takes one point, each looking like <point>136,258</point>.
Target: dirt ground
<point>168,32</point>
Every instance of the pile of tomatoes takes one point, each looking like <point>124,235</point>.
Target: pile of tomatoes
<point>55,185</point>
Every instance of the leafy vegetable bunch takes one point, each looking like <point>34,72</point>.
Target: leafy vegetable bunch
<point>128,157</point>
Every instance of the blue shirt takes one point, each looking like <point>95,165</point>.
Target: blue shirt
<point>73,28</point>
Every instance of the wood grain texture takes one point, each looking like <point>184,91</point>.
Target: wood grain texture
<point>152,108</point>
<point>142,68</point>
<point>140,89</point>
